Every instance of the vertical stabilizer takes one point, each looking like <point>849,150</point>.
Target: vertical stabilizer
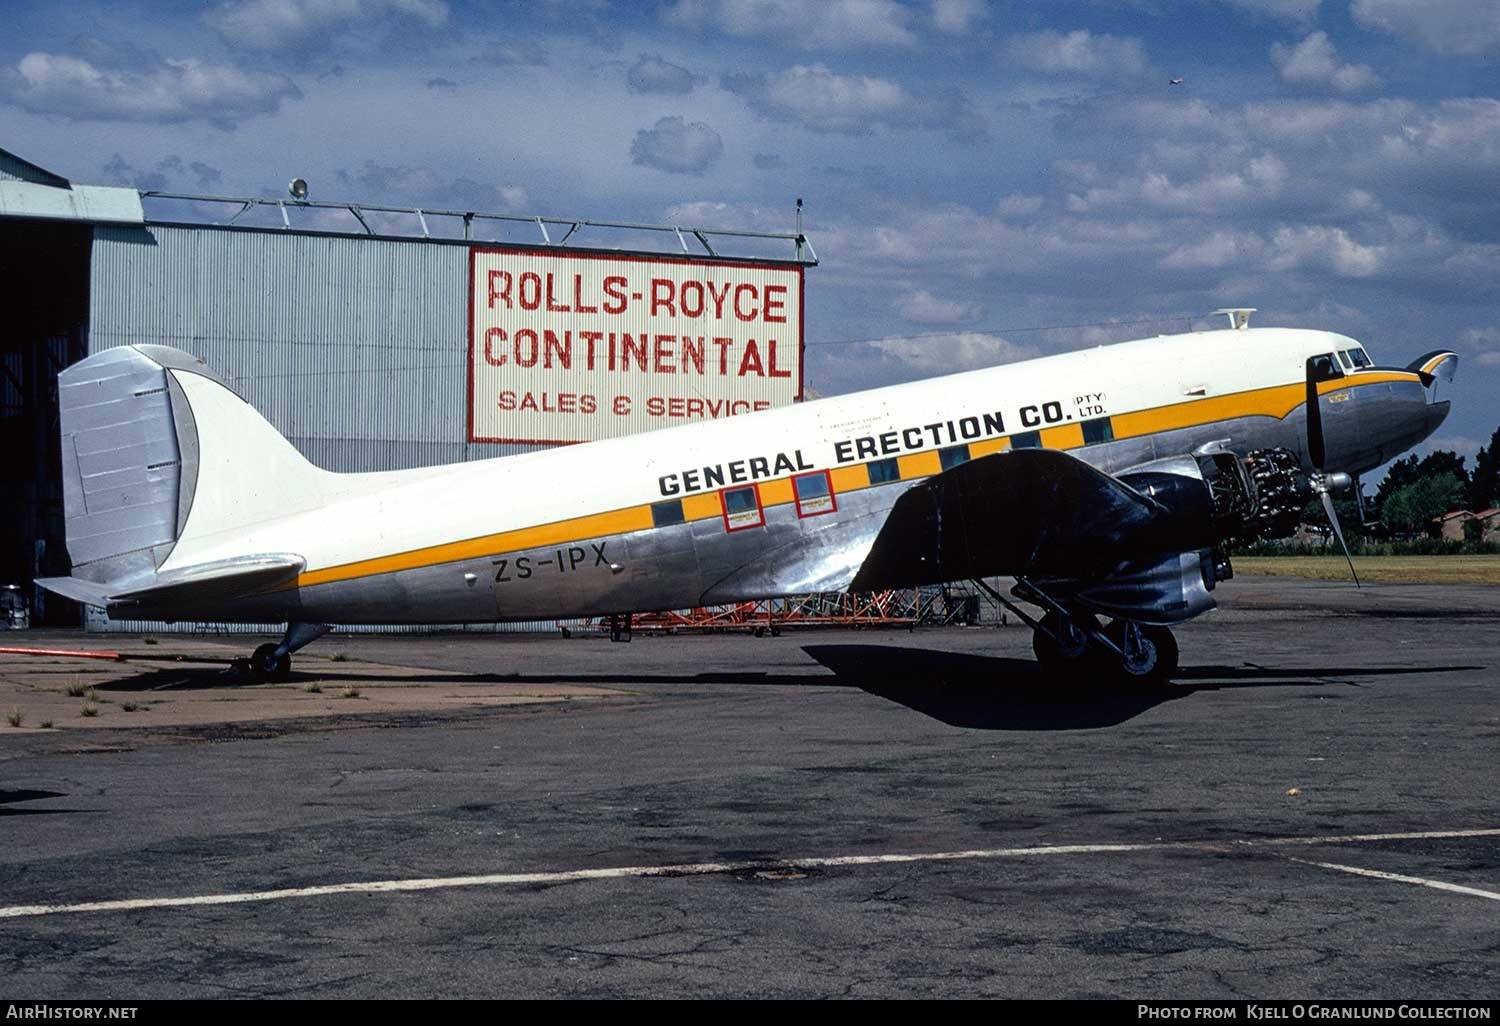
<point>155,447</point>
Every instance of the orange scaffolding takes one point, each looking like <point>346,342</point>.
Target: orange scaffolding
<point>895,608</point>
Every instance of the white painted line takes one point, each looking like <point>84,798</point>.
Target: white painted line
<point>710,868</point>
<point>1398,878</point>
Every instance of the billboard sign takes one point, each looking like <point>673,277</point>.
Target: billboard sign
<point>573,347</point>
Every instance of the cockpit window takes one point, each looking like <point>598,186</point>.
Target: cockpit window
<point>1344,359</point>
<point>1359,357</point>
<point>1324,367</point>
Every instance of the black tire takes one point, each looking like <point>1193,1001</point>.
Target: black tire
<point>1046,649</point>
<point>267,667</point>
<point>1148,666</point>
<point>1166,649</point>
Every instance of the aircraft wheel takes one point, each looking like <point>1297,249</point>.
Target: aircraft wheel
<point>1144,651</point>
<point>1066,644</point>
<point>267,666</point>
<point>1166,649</point>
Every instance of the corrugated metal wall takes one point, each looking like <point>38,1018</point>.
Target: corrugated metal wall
<point>355,349</point>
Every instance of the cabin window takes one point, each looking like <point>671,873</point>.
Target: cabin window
<point>952,456</point>
<point>1026,440</point>
<point>1324,367</point>
<point>882,471</point>
<point>665,514</point>
<point>1098,430</point>
<point>814,494</point>
<point>742,508</point>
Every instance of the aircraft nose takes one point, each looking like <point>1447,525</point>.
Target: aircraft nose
<point>1436,414</point>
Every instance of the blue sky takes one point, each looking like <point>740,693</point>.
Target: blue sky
<point>970,170</point>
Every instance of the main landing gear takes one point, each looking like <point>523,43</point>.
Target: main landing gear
<point>272,662</point>
<point>1077,641</point>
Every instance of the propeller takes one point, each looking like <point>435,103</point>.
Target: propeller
<point>1323,482</point>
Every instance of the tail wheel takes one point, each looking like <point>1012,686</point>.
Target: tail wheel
<point>266,665</point>
<point>1066,642</point>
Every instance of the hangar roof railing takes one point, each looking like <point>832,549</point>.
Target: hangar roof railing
<point>428,223</point>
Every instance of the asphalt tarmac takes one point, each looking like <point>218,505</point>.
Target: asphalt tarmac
<point>1310,811</point>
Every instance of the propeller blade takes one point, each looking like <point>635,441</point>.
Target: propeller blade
<point>1333,519</point>
<point>1315,449</point>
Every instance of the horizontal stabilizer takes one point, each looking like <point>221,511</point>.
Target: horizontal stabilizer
<point>90,593</point>
<point>225,579</point>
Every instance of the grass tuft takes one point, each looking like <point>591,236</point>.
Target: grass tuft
<point>89,709</point>
<point>46,724</point>
<point>313,688</point>
<point>15,716</point>
<point>129,706</point>
<point>339,657</point>
<point>76,689</point>
<point>349,693</point>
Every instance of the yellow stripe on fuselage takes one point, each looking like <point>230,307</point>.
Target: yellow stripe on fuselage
<point>1277,401</point>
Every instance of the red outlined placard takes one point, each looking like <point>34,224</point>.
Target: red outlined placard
<point>814,495</point>
<point>737,515</point>
<point>571,347</point>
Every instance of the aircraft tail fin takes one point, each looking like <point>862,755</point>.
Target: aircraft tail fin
<point>154,447</point>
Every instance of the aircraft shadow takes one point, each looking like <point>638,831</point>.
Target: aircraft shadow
<point>12,797</point>
<point>961,689</point>
<point>994,693</point>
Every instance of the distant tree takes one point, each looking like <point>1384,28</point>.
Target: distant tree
<point>1410,509</point>
<point>1484,486</point>
<point>1347,508</point>
<point>1412,469</point>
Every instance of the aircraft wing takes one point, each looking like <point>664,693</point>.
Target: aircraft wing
<point>1037,513</point>
<point>1024,512</point>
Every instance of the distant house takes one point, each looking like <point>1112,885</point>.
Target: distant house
<point>1488,522</point>
<point>1450,526</point>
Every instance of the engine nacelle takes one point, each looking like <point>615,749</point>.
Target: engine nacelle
<point>1219,497</point>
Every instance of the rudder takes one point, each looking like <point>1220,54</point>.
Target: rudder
<point>154,443</point>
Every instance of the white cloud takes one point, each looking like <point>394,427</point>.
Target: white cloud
<point>922,307</point>
<point>407,184</point>
<point>1246,181</point>
<point>677,146</point>
<point>1314,62</point>
<point>827,102</point>
<point>652,74</point>
<point>1079,52</point>
<point>1219,250</point>
<point>824,25</point>
<point>1484,343</point>
<point>1466,28</point>
<point>949,354</point>
<point>278,24</point>
<point>1323,247</point>
<point>1020,205</point>
<point>175,89</point>
<point>957,17</point>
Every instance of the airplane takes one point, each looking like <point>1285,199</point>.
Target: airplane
<point>1110,483</point>
<point>1175,81</point>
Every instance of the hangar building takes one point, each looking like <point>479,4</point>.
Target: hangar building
<point>376,338</point>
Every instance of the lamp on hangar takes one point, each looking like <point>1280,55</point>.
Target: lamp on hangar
<point>298,188</point>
